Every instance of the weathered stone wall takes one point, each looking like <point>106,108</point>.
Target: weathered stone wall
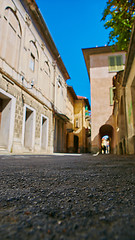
<point>23,98</point>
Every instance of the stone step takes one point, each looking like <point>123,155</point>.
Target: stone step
<point>2,146</point>
<point>3,149</point>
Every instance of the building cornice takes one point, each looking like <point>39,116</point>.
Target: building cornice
<point>72,92</point>
<point>85,100</point>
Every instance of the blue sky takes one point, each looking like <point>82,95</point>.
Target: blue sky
<point>75,24</point>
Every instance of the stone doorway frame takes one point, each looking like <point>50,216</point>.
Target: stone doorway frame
<point>46,127</point>
<point>33,126</point>
<point>12,101</point>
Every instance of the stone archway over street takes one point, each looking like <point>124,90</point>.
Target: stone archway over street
<point>107,130</point>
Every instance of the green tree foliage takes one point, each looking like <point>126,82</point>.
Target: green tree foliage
<point>119,16</point>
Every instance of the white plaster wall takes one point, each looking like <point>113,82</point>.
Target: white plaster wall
<point>101,81</point>
<point>43,83</point>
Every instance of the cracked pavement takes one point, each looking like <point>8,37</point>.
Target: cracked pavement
<point>64,197</point>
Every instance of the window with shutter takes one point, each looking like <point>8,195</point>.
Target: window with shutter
<point>111,64</point>
<point>111,96</point>
<point>115,63</point>
<point>119,63</point>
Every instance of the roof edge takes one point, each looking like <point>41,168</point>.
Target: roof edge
<point>97,50</point>
<point>39,21</point>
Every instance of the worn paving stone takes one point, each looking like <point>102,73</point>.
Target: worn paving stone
<point>67,197</point>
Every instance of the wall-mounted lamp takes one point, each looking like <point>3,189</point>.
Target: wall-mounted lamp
<point>31,83</point>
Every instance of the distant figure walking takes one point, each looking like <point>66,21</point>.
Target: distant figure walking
<point>104,149</point>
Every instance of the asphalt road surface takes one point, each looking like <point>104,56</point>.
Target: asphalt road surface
<point>67,197</point>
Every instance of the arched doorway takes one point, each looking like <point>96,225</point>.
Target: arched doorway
<point>106,138</point>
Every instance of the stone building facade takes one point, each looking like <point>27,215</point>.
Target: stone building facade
<point>119,112</point>
<point>124,102</point>
<point>33,87</point>
<point>78,126</point>
<point>102,64</point>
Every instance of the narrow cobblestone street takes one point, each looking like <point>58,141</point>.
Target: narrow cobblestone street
<point>64,197</point>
